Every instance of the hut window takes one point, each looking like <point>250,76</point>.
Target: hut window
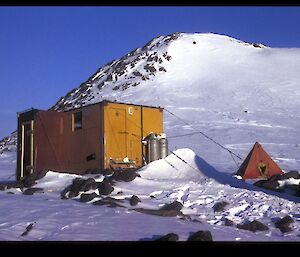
<point>76,121</point>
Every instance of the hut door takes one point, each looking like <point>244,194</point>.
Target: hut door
<point>117,135</point>
<point>27,149</point>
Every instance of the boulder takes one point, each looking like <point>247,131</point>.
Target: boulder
<point>168,210</point>
<point>87,197</point>
<point>89,184</point>
<point>290,174</point>
<point>284,223</point>
<point>134,200</point>
<point>124,175</point>
<point>174,206</point>
<point>64,192</point>
<point>285,229</point>
<point>104,187</point>
<point>204,235</point>
<point>32,190</point>
<point>168,237</point>
<point>274,177</point>
<point>219,206</point>
<point>27,181</point>
<point>40,174</point>
<point>73,194</point>
<point>77,185</point>
<point>253,226</point>
<point>259,183</point>
<point>109,201</point>
<point>271,184</point>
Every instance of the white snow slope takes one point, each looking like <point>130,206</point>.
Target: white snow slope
<point>235,92</point>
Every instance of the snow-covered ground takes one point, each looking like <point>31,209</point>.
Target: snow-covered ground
<point>235,92</point>
<point>198,187</point>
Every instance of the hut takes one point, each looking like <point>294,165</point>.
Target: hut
<point>101,136</point>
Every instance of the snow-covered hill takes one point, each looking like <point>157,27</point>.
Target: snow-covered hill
<point>233,91</point>
<point>236,92</point>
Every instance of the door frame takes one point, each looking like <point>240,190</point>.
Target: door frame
<point>31,122</point>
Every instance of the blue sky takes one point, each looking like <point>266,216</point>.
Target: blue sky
<point>47,51</point>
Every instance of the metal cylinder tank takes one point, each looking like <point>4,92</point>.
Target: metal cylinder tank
<point>163,142</point>
<point>153,149</point>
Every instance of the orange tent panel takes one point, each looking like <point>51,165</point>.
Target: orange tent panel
<point>258,164</point>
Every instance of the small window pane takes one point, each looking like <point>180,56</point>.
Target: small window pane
<point>77,120</point>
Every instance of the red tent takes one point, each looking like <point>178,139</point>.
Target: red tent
<point>258,164</point>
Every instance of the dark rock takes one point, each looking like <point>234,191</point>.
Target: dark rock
<point>152,196</point>
<point>109,201</point>
<point>174,206</point>
<point>137,73</point>
<point>297,193</point>
<point>15,184</point>
<point>168,57</point>
<point>32,190</point>
<point>40,174</point>
<point>73,194</point>
<point>256,45</point>
<point>274,177</point>
<point>134,200</point>
<point>228,222</point>
<point>116,87</point>
<point>77,185</point>
<point>162,213</point>
<point>87,197</point>
<point>201,236</point>
<point>259,183</point>
<point>89,184</point>
<point>219,206</point>
<point>270,184</point>
<point>3,187</point>
<point>64,192</point>
<point>291,187</point>
<point>105,188</point>
<point>109,77</point>
<point>149,68</point>
<point>194,42</point>
<point>290,174</point>
<point>124,175</point>
<point>168,237</point>
<point>284,222</point>
<point>28,181</point>
<point>253,226</point>
<point>28,228</point>
<point>168,210</point>
<point>285,229</point>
